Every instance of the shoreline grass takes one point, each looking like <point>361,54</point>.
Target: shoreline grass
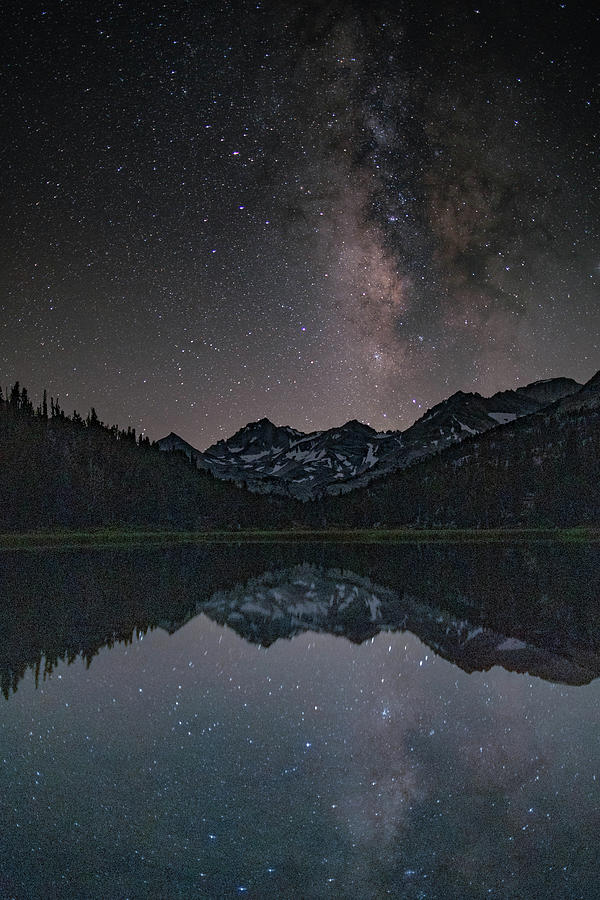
<point>130,537</point>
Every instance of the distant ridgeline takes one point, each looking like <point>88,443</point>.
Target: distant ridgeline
<point>483,469</point>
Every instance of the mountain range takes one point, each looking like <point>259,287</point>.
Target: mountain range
<point>278,459</point>
<point>526,458</point>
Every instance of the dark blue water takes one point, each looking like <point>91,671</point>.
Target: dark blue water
<point>348,758</point>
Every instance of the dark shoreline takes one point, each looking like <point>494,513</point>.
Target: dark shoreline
<point>126,537</point>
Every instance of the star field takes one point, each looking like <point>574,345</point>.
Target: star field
<point>311,211</point>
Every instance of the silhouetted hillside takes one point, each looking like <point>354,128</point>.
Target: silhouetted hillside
<point>57,470</point>
<point>541,470</point>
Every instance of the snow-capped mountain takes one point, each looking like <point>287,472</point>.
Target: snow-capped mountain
<point>279,459</point>
<point>303,465</point>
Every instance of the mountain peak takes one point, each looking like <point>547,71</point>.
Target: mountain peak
<point>355,425</point>
<point>461,394</point>
<point>588,395</point>
<point>172,437</point>
<point>549,390</point>
<point>594,381</point>
<point>263,423</point>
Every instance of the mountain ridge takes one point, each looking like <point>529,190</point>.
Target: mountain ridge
<point>268,458</point>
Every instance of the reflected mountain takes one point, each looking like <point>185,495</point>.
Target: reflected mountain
<point>307,598</point>
<point>527,609</point>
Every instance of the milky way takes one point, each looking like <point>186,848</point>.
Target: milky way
<point>310,211</point>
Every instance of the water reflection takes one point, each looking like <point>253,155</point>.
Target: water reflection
<point>527,610</point>
<point>206,754</point>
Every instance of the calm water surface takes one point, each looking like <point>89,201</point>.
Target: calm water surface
<point>300,722</point>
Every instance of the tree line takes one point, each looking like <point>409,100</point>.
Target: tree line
<point>18,402</point>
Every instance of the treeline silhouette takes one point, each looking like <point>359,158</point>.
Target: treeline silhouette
<point>58,470</point>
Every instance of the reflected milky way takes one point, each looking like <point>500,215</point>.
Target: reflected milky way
<point>201,763</point>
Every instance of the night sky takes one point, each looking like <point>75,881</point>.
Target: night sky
<point>218,211</point>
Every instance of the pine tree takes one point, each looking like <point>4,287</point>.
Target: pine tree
<point>26,404</point>
<point>15,395</point>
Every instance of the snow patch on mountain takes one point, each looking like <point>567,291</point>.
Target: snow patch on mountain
<point>502,417</point>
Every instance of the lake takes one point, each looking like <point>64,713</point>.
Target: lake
<point>299,721</point>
